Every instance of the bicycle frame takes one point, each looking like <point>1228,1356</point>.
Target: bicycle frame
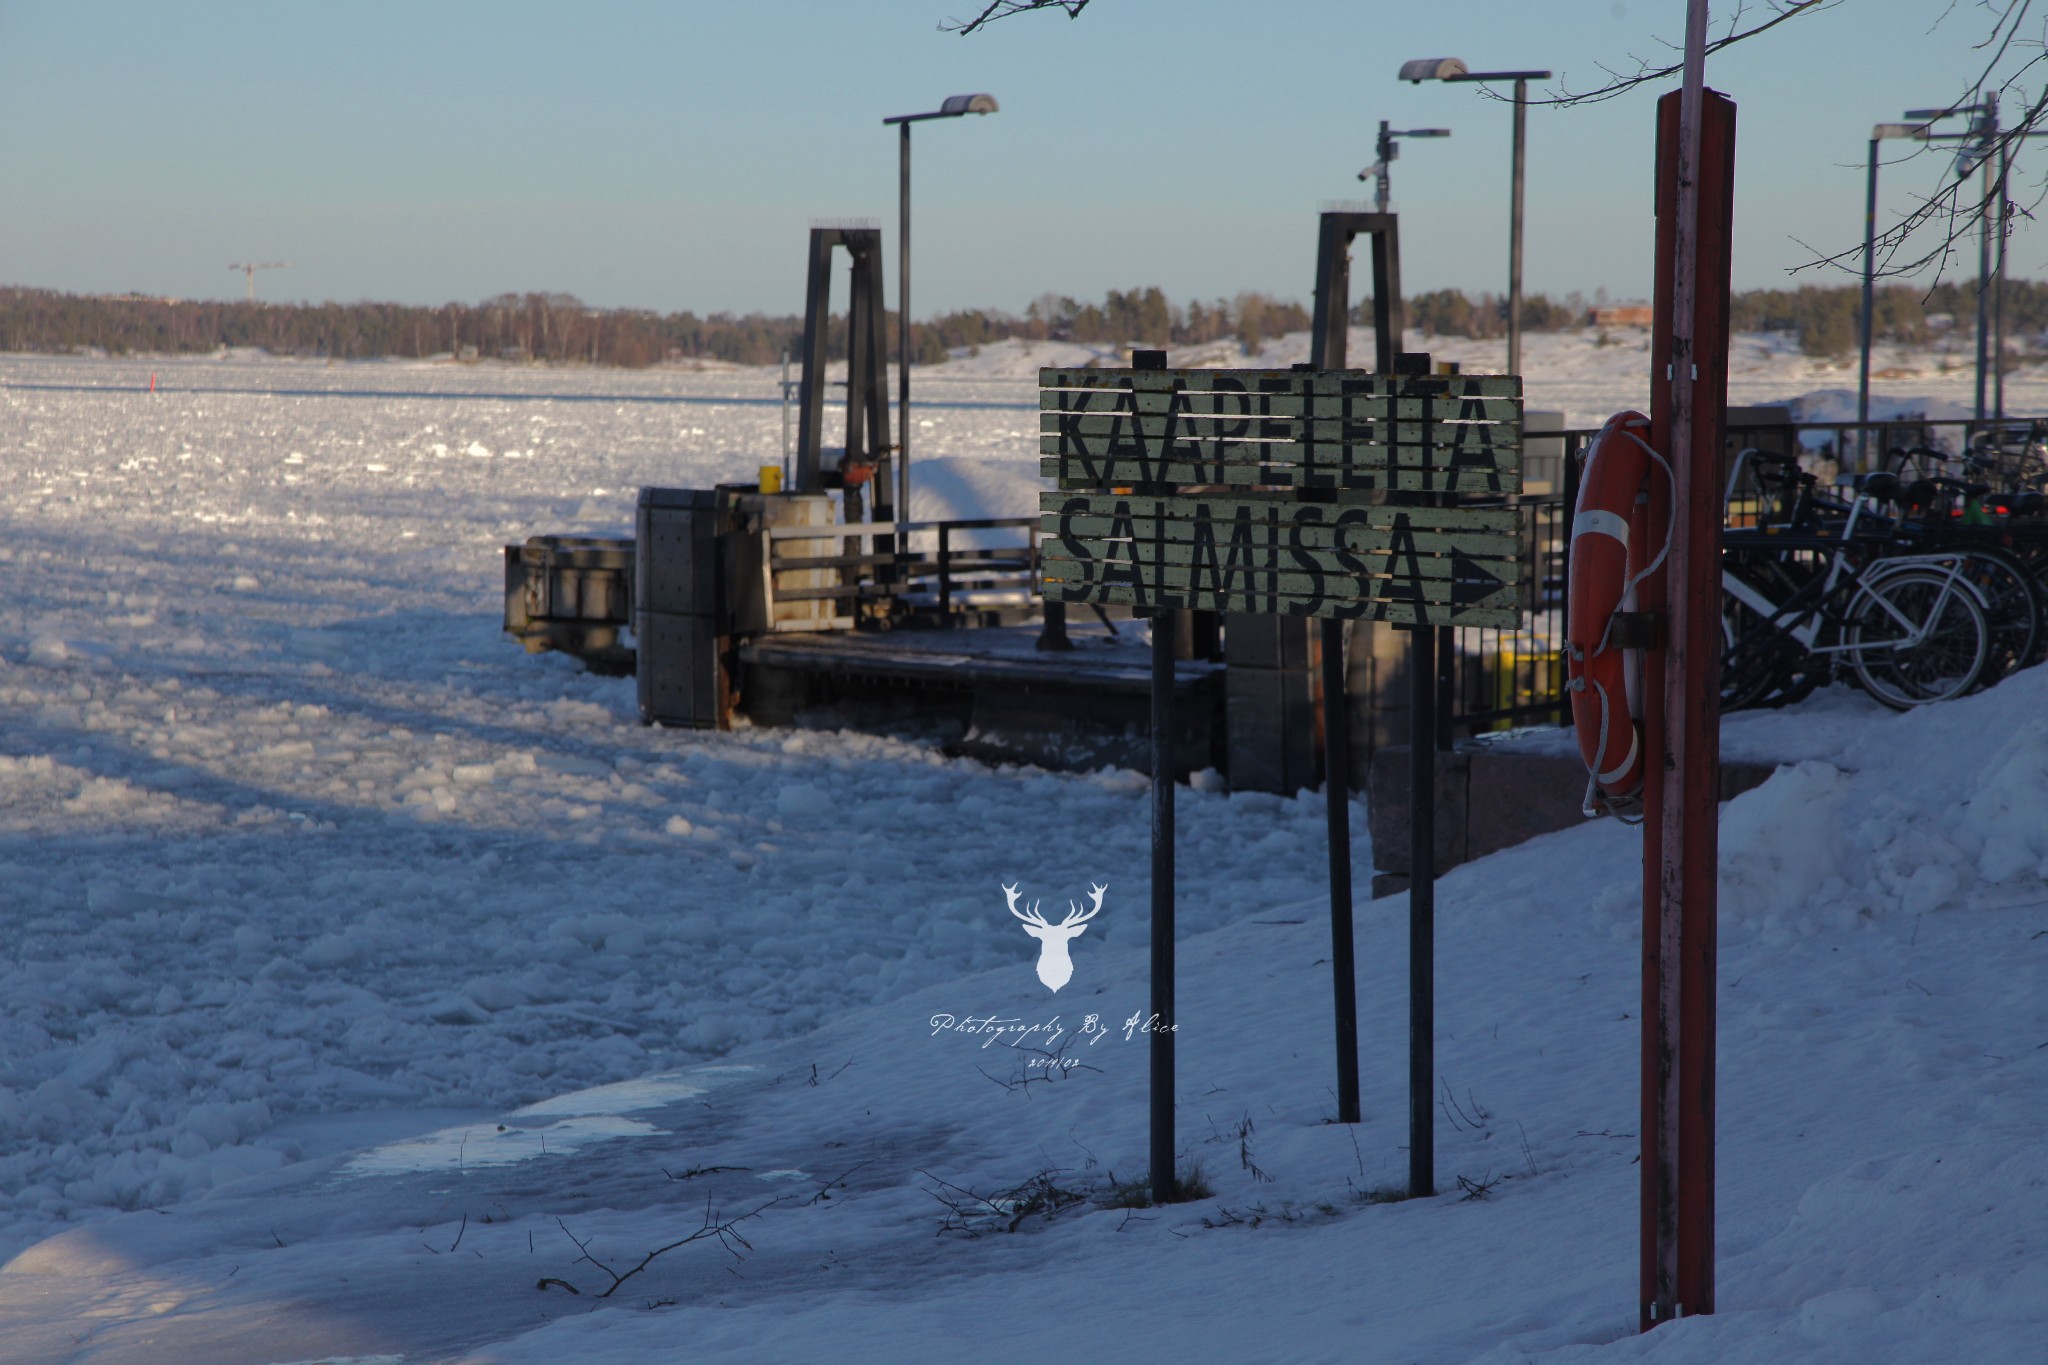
<point>1809,619</point>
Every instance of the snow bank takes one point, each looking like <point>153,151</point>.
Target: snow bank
<point>1907,829</point>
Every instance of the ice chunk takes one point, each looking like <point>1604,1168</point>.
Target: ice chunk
<point>802,801</point>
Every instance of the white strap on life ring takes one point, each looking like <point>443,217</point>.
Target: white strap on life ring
<point>1595,522</point>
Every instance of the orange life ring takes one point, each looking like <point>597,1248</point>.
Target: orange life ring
<point>1610,547</point>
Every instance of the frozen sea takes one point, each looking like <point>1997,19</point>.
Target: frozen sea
<point>376,991</point>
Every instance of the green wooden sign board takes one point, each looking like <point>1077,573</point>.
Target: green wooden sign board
<point>1333,429</point>
<point>1269,491</point>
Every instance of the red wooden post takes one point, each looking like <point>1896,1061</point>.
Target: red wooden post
<point>1689,359</point>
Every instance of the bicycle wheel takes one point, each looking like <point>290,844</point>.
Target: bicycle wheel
<point>1900,670</point>
<point>1761,664</point>
<point>2013,604</point>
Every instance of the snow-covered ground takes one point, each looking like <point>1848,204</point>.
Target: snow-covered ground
<point>327,907</point>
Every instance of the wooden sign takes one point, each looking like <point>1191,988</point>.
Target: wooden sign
<point>1269,491</point>
<point>1341,429</point>
<point>1443,566</point>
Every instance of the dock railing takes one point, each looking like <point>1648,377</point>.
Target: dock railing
<point>906,567</point>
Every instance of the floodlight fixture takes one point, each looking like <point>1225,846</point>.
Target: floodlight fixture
<point>1389,149</point>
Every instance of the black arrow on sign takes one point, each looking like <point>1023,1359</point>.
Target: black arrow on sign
<point>1470,581</point>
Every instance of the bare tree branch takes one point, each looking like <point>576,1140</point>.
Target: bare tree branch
<point>726,1231</point>
<point>1003,9</point>
<point>1781,10</point>
<point>1930,233</point>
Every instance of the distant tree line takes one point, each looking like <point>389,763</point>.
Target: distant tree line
<point>1826,320</point>
<point>1450,313</point>
<point>559,328</point>
<point>543,327</point>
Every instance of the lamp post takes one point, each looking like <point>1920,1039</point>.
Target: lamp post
<point>1976,147</point>
<point>1979,144</point>
<point>1878,134</point>
<point>1998,296</point>
<point>1388,150</point>
<point>1452,69</point>
<point>954,107</point>
<point>1976,154</point>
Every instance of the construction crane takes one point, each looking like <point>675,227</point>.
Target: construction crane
<point>251,267</point>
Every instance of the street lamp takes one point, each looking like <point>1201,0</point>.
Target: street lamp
<point>1388,150</point>
<point>1978,144</point>
<point>1880,133</point>
<point>1975,151</point>
<point>1452,69</point>
<point>954,107</point>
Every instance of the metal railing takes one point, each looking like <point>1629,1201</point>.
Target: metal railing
<point>1863,447</point>
<point>882,569</point>
<point>1499,679</point>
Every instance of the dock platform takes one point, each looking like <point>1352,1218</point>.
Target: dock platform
<point>990,693</point>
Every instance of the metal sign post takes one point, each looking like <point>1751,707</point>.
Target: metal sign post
<point>1165,1181</point>
<point>1421,911</point>
<point>1337,813</point>
<point>1263,491</point>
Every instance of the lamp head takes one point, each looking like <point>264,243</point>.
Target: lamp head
<point>1432,69</point>
<point>956,105</point>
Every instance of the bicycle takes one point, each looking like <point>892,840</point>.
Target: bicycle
<point>2007,558</point>
<point>2014,455</point>
<point>1801,604</point>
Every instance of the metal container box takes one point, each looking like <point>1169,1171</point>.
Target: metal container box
<point>678,623</point>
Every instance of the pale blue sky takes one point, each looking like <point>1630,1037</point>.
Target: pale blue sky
<point>673,155</point>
